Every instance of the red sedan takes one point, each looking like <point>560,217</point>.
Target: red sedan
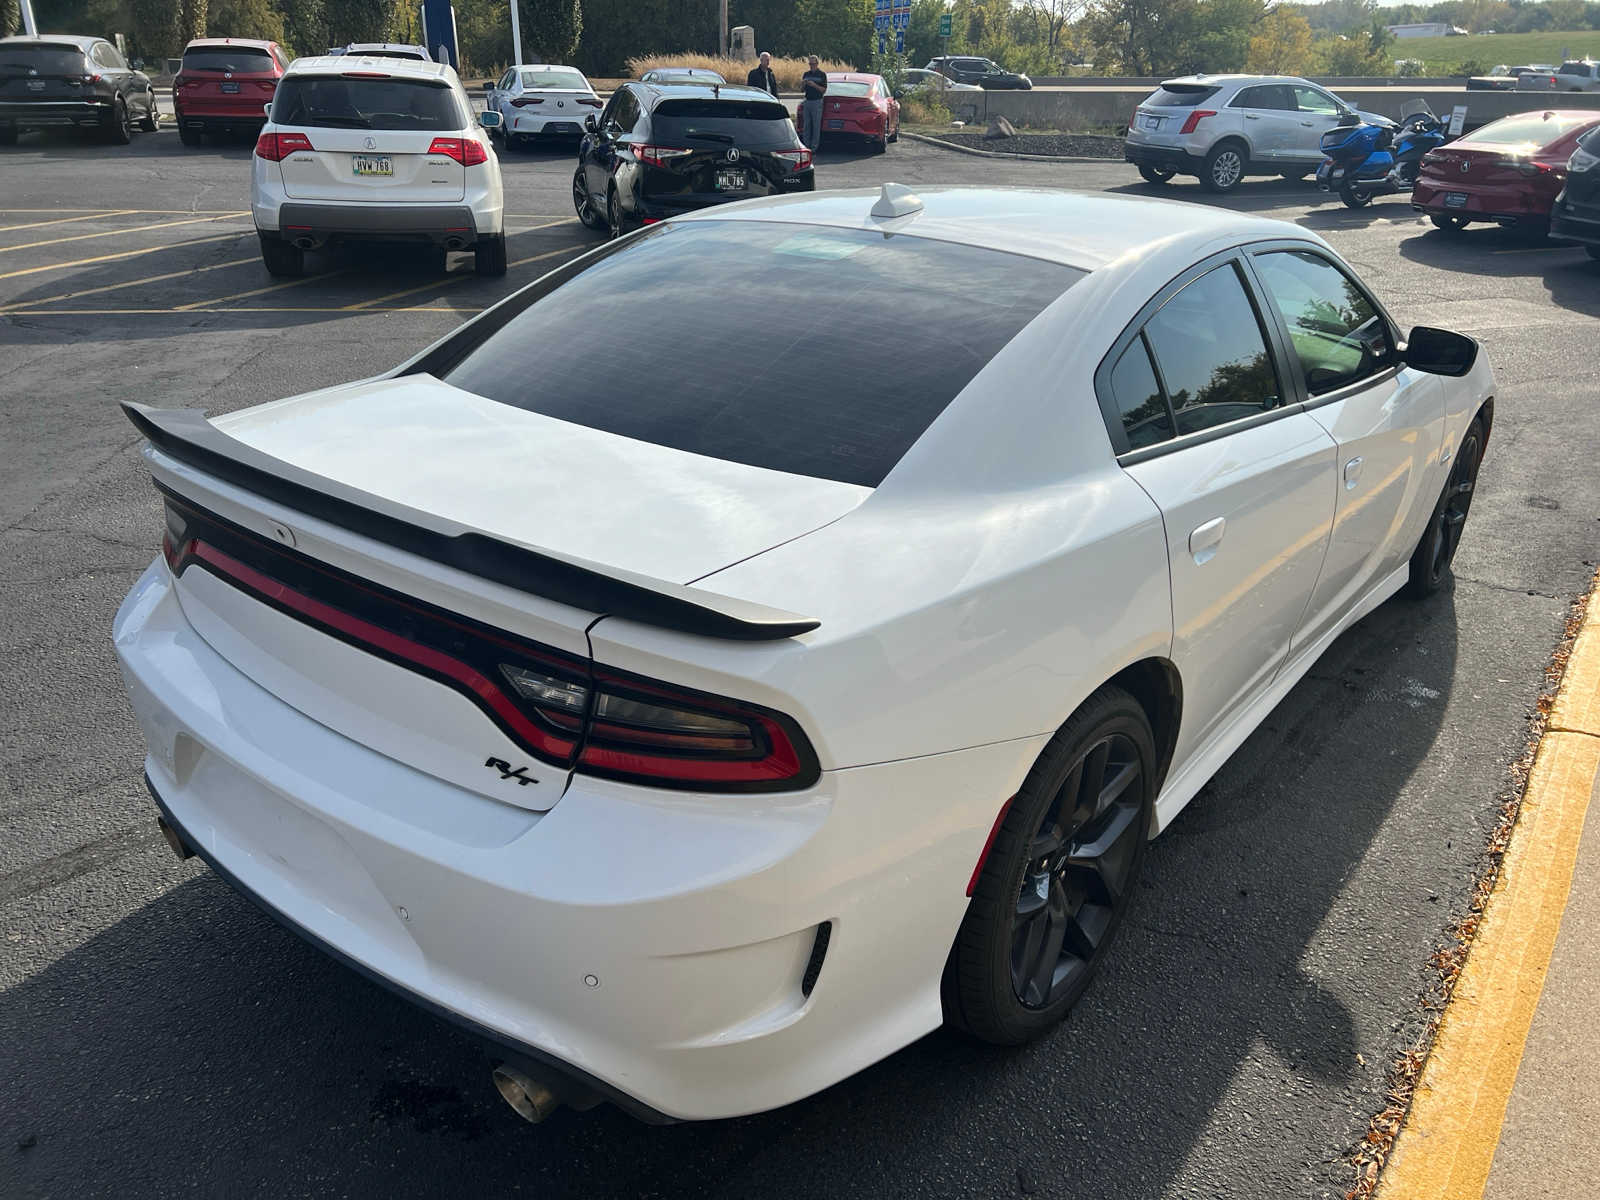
<point>224,84</point>
<point>1508,172</point>
<point>859,105</point>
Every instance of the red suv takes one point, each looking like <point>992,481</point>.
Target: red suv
<point>224,84</point>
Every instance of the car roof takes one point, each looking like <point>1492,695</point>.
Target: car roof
<point>698,91</point>
<point>357,47</point>
<point>1576,115</point>
<point>400,68</point>
<point>52,39</point>
<point>201,43</point>
<point>1243,80</point>
<point>551,66</point>
<point>1082,230</point>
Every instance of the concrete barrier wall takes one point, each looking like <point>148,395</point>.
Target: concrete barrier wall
<point>1331,81</point>
<point>1110,107</point>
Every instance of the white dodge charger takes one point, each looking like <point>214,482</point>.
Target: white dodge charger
<point>732,656</point>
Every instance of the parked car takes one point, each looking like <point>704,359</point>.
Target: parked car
<point>1578,75</point>
<point>60,81</point>
<point>1504,79</point>
<point>859,106</point>
<point>681,75</point>
<point>223,84</point>
<point>1221,128</point>
<point>699,736</point>
<point>1509,172</point>
<point>1576,213</point>
<point>981,72</point>
<point>376,150</point>
<point>918,80</point>
<point>542,101</point>
<point>388,50</point>
<point>663,149</point>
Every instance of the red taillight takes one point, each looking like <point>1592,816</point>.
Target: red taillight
<point>524,101</point>
<point>275,147</point>
<point>801,159</point>
<point>267,85</point>
<point>658,156</point>
<point>1532,168</point>
<point>467,151</point>
<point>1196,115</point>
<point>93,78</point>
<point>592,103</point>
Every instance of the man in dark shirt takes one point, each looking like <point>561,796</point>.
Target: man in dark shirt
<point>815,86</point>
<point>763,77</point>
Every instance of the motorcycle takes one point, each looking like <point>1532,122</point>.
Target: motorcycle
<point>1365,160</point>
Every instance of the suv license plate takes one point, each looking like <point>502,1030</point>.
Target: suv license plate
<point>36,85</point>
<point>1150,123</point>
<point>230,87</point>
<point>730,181</point>
<point>373,164</point>
<point>1455,199</point>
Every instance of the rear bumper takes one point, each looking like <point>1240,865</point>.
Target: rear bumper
<point>208,119</point>
<point>1168,158</point>
<point>557,124</point>
<point>658,946</point>
<point>1502,204</point>
<point>44,113</point>
<point>374,222</point>
<point>1565,223</point>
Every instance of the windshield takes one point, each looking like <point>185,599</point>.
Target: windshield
<point>747,124</point>
<point>848,87</point>
<point>762,343</point>
<point>47,60</point>
<point>555,79</point>
<point>339,103</point>
<point>227,58</point>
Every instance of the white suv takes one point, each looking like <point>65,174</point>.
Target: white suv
<point>1224,127</point>
<point>378,149</point>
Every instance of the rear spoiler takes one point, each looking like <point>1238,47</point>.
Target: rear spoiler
<point>185,434</point>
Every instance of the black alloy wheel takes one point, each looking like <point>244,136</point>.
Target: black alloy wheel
<point>120,131</point>
<point>151,122</point>
<point>1157,174</point>
<point>615,221</point>
<point>1059,877</point>
<point>583,204</point>
<point>1430,563</point>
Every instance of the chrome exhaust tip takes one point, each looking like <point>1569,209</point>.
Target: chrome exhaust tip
<point>529,1099</point>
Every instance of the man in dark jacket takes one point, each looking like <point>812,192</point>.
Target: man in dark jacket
<point>762,77</point>
<point>815,86</point>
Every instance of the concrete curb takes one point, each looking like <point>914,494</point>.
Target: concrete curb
<point>944,145</point>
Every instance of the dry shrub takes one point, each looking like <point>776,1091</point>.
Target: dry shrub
<point>923,110</point>
<point>734,70</point>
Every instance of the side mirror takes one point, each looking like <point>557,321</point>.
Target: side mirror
<point>1439,351</point>
<point>591,124</point>
<point>490,119</point>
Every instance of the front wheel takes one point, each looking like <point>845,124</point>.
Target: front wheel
<point>1354,197</point>
<point>152,119</point>
<point>591,217</point>
<point>1223,168</point>
<point>1157,175</point>
<point>1430,562</point>
<point>1059,877</point>
<point>1446,223</point>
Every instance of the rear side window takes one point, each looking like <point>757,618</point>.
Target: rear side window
<point>227,58</point>
<point>1273,97</point>
<point>1338,335</point>
<point>1212,353</point>
<point>1145,417</point>
<point>1179,97</point>
<point>339,103</point>
<point>762,343</point>
<point>1574,68</point>
<point>745,123</point>
<point>46,59</point>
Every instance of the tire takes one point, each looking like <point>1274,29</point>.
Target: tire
<point>1592,250</point>
<point>151,121</point>
<point>1353,196</point>
<point>1223,168</point>
<point>881,145</point>
<point>1157,175</point>
<point>282,259</point>
<point>584,205</point>
<point>1045,911</point>
<point>895,136</point>
<point>489,256</point>
<point>190,137</point>
<point>1430,562</point>
<point>8,136</point>
<point>120,131</point>
<point>1445,223</point>
<point>615,221</point>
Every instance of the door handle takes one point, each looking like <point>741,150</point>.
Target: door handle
<point>1352,472</point>
<point>1252,116</point>
<point>1205,539</point>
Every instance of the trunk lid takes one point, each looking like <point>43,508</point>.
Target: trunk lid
<point>350,164</point>
<point>43,72</point>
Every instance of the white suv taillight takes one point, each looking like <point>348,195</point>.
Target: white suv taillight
<point>275,147</point>
<point>469,152</point>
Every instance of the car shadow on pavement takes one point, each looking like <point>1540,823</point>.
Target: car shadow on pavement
<point>1568,273</point>
<point>1253,195</point>
<point>69,143</point>
<point>196,1039</point>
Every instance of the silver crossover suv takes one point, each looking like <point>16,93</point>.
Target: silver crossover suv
<point>1224,127</point>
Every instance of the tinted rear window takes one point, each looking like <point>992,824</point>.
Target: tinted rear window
<point>339,103</point>
<point>848,87</point>
<point>747,124</point>
<point>47,60</point>
<point>554,79</point>
<point>408,55</point>
<point>1180,97</point>
<point>227,58</point>
<point>1528,129</point>
<point>816,351</point>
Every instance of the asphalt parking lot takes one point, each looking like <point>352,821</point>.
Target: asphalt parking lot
<point>160,1036</point>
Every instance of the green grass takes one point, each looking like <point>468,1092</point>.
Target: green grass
<point>1444,55</point>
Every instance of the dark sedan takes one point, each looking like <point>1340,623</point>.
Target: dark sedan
<point>660,150</point>
<point>981,72</point>
<point>63,81</point>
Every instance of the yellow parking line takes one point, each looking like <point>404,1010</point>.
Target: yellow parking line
<point>447,280</point>
<point>94,216</point>
<point>217,301</point>
<point>151,212</point>
<point>83,237</point>
<point>1447,1145</point>
<point>23,306</point>
<point>85,262</point>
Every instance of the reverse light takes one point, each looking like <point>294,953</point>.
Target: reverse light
<point>275,147</point>
<point>1196,115</point>
<point>659,156</point>
<point>469,152</point>
<point>799,159</point>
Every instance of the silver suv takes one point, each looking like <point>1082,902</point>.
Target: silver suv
<point>1221,128</point>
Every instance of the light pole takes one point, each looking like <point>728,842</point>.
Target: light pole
<point>516,35</point>
<point>722,46</point>
<point>32,30</point>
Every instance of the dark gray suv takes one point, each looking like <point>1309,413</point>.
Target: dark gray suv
<point>64,81</point>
